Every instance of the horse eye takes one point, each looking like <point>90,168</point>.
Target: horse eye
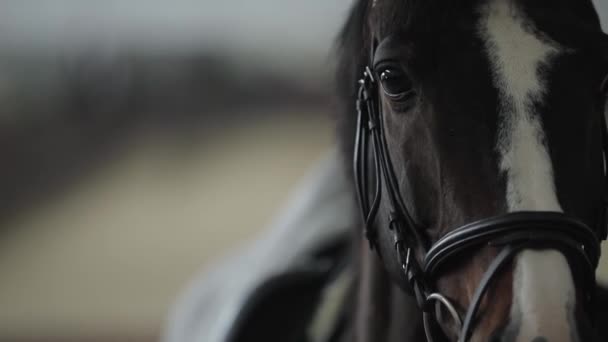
<point>395,83</point>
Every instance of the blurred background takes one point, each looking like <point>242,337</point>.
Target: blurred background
<point>140,140</point>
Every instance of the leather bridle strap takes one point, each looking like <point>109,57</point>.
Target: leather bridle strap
<point>513,233</point>
<point>602,229</point>
<point>530,225</point>
<point>497,264</point>
<point>370,126</point>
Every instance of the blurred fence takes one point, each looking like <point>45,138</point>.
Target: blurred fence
<point>77,78</point>
<point>59,114</point>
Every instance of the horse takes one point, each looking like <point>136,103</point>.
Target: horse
<point>477,135</point>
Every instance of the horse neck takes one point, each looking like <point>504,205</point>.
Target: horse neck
<point>383,311</point>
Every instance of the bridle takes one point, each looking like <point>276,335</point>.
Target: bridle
<point>509,233</point>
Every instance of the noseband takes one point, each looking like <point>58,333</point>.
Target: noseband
<point>509,233</point>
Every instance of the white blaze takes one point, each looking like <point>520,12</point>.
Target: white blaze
<point>543,289</point>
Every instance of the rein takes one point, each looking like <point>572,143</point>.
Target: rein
<point>510,233</point>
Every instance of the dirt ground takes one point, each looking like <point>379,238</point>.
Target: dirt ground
<point>109,256</point>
